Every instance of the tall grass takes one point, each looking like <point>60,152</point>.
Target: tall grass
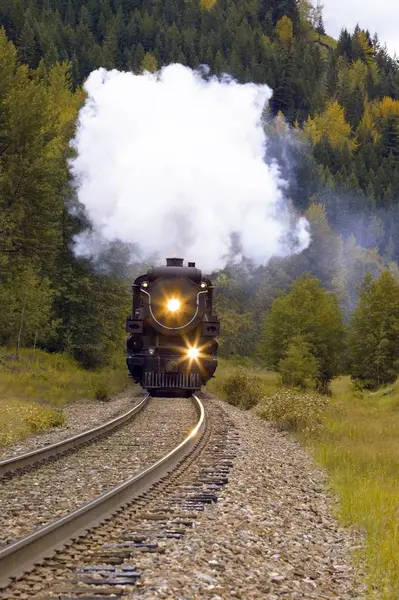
<point>359,446</point>
<point>34,389</point>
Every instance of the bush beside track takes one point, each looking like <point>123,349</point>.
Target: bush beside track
<point>34,388</point>
<point>354,435</point>
<point>249,386</point>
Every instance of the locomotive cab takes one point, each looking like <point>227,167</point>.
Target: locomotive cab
<point>172,343</point>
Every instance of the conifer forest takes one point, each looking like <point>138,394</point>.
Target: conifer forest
<point>332,126</point>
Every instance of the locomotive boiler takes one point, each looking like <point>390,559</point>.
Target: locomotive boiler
<point>172,343</point>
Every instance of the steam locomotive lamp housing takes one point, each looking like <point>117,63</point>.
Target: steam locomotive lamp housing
<point>172,343</point>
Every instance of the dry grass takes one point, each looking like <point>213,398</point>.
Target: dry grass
<point>293,410</point>
<point>360,448</point>
<point>18,419</point>
<point>34,389</point>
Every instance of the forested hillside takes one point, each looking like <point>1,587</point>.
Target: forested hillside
<point>333,125</point>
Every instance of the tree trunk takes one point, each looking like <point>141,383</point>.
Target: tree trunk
<point>20,329</point>
<point>34,348</point>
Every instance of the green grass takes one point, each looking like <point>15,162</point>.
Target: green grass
<point>359,447</point>
<point>34,389</point>
<point>269,380</point>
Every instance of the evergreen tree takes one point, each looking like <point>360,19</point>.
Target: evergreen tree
<point>28,51</point>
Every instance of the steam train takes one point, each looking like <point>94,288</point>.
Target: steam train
<point>172,343</point>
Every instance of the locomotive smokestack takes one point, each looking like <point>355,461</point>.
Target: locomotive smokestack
<point>174,262</point>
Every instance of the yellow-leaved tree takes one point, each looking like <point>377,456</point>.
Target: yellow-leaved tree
<point>149,63</point>
<point>366,50</point>
<point>376,116</point>
<point>207,4</point>
<point>367,129</point>
<point>388,107</point>
<point>285,30</point>
<point>330,124</point>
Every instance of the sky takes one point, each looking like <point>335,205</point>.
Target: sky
<point>381,17</point>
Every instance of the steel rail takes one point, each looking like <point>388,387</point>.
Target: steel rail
<point>23,555</point>
<point>10,465</point>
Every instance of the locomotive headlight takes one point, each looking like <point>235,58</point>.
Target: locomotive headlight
<point>193,353</point>
<point>203,285</point>
<point>144,284</point>
<point>173,304</point>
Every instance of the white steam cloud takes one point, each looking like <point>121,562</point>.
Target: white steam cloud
<point>174,162</point>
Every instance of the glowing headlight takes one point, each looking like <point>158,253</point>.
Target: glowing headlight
<point>193,353</point>
<point>173,304</point>
<point>145,284</point>
<point>203,285</point>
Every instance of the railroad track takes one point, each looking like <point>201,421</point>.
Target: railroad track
<point>140,515</point>
<point>30,459</point>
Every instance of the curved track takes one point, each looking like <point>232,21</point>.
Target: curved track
<point>22,555</point>
<point>30,459</point>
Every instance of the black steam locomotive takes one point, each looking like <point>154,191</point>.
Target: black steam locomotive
<point>172,343</point>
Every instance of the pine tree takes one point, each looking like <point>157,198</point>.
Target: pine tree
<point>70,17</point>
<point>218,65</point>
<point>28,50</point>
<point>110,49</point>
<point>345,45</point>
<point>320,26</point>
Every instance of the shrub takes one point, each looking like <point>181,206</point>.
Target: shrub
<point>101,392</point>
<point>39,418</point>
<point>292,411</point>
<point>18,419</point>
<point>242,389</point>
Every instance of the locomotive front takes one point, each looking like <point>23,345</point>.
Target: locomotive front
<point>172,343</point>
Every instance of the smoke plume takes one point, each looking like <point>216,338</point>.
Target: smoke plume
<point>174,162</point>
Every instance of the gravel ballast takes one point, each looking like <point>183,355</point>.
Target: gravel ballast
<point>37,497</point>
<point>271,535</point>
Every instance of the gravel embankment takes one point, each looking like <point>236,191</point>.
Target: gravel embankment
<point>271,535</point>
<point>78,417</point>
<point>35,498</point>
